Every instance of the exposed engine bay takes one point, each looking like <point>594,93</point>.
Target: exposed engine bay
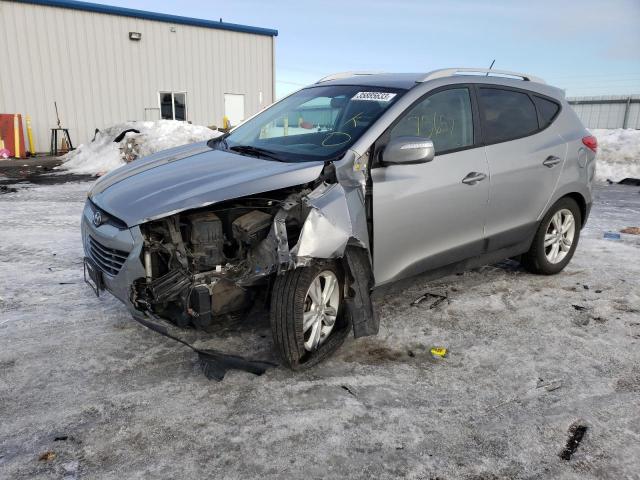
<point>204,263</point>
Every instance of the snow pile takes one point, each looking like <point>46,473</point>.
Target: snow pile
<point>103,154</point>
<point>618,154</point>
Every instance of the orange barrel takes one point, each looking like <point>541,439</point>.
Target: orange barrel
<point>12,134</point>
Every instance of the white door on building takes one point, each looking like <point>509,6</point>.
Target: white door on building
<point>234,108</point>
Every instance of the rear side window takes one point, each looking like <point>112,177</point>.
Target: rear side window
<point>506,115</point>
<point>547,109</point>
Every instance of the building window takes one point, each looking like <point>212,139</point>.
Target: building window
<point>173,105</point>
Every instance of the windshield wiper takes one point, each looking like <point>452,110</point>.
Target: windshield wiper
<point>257,151</point>
<point>216,140</point>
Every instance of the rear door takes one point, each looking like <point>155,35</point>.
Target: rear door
<point>525,160</point>
<point>424,215</point>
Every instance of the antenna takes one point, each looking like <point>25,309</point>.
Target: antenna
<point>490,67</point>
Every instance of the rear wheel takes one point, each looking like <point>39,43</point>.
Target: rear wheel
<point>556,239</point>
<point>307,320</point>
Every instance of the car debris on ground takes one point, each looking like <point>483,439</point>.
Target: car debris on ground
<point>215,364</point>
<point>439,352</point>
<point>576,434</point>
<point>438,299</point>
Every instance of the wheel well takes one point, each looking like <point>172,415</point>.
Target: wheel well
<point>579,199</point>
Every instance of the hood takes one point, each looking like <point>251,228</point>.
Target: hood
<point>191,176</point>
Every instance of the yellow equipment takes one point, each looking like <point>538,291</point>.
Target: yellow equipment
<point>16,136</point>
<point>32,147</point>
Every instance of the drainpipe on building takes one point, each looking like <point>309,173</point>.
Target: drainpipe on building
<point>626,112</point>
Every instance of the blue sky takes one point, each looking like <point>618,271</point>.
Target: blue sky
<point>587,47</point>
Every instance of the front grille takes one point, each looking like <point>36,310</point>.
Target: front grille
<point>107,218</point>
<point>109,260</point>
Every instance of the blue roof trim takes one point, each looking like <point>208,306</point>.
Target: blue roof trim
<point>160,17</point>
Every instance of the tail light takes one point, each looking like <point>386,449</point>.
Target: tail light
<point>590,142</point>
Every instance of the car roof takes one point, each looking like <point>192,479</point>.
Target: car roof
<point>387,80</point>
<point>406,81</point>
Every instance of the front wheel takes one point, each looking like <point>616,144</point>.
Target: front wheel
<point>556,239</point>
<point>307,319</point>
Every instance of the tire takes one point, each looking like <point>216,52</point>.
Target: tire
<point>540,258</point>
<point>290,300</point>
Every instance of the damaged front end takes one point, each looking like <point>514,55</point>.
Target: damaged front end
<point>206,263</point>
<point>277,211</point>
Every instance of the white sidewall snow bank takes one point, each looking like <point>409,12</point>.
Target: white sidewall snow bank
<point>103,155</point>
<point>618,154</point>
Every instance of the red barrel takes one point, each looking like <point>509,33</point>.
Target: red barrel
<point>8,134</point>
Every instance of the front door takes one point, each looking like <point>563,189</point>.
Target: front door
<point>431,214</point>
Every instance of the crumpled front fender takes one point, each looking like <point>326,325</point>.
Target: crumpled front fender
<point>336,218</point>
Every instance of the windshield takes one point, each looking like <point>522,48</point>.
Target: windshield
<point>317,123</point>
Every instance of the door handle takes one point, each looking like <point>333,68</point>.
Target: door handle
<point>473,177</point>
<point>551,161</point>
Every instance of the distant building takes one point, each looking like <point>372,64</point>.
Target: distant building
<point>609,111</point>
<point>104,65</point>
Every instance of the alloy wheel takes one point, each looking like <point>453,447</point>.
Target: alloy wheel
<point>320,309</point>
<point>559,236</point>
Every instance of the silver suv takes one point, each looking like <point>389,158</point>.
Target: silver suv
<point>352,183</point>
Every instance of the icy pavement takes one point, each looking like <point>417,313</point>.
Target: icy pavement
<point>96,395</point>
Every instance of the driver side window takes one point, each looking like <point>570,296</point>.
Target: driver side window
<point>444,117</point>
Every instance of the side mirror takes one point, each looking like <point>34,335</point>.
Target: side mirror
<point>408,150</point>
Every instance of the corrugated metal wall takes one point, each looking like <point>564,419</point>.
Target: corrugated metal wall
<point>86,62</point>
<point>608,111</point>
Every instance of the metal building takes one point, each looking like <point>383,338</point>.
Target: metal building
<point>104,65</point>
<point>611,111</point>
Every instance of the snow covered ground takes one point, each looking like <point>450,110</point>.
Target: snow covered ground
<point>618,154</point>
<point>103,154</point>
<point>528,356</point>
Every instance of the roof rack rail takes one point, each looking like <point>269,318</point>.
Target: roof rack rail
<point>449,72</point>
<point>339,75</point>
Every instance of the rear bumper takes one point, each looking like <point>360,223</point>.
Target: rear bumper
<point>124,240</point>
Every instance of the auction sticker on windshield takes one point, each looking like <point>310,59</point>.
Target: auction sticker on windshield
<point>374,96</point>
